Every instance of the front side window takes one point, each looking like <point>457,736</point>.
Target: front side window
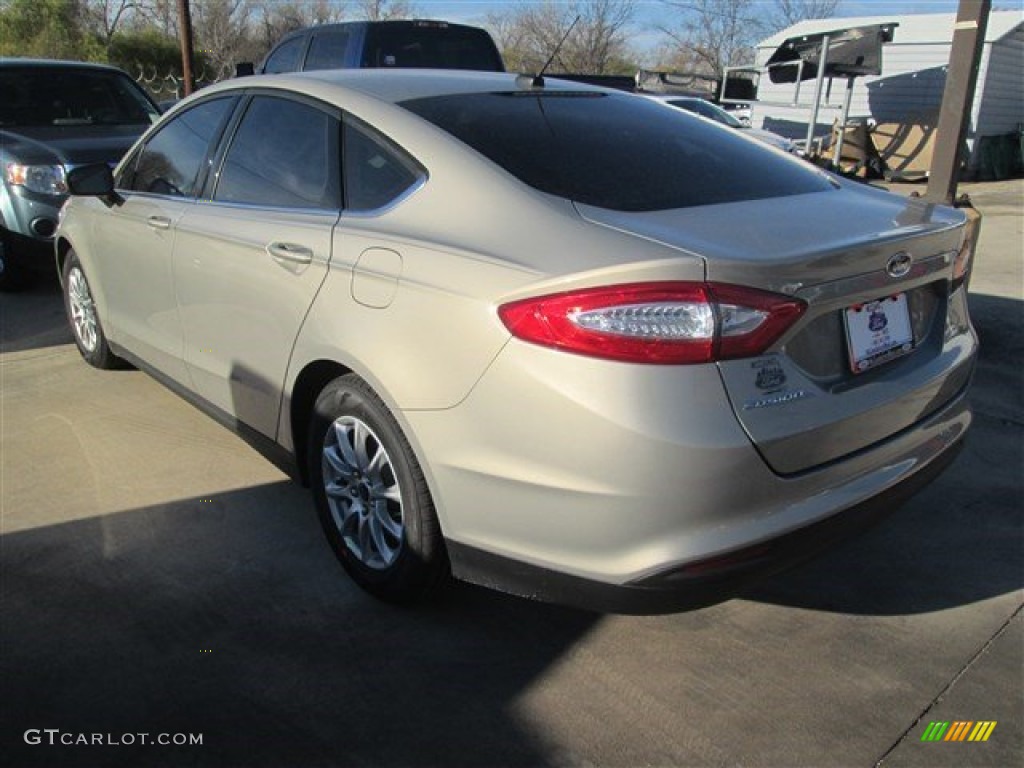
<point>327,51</point>
<point>376,171</point>
<point>282,155</point>
<point>170,162</point>
<point>616,151</point>
<point>286,57</point>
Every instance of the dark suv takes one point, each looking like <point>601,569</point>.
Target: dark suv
<point>55,115</point>
<point>404,44</point>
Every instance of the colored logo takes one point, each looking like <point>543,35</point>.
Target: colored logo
<point>877,321</point>
<point>959,730</point>
<point>769,374</point>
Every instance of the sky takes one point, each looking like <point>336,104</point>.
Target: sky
<point>651,13</point>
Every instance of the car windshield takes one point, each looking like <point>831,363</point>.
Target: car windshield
<point>44,96</point>
<point>616,151</point>
<point>708,110</point>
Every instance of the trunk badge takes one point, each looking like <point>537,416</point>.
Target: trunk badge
<point>899,264</point>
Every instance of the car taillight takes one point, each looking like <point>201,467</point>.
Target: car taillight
<point>665,323</point>
<point>962,263</point>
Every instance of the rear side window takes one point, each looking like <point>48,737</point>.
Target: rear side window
<point>420,44</point>
<point>170,162</point>
<point>281,156</point>
<point>327,51</point>
<point>376,171</point>
<point>286,57</point>
<point>616,151</point>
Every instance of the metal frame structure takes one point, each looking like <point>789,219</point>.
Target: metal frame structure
<point>820,87</point>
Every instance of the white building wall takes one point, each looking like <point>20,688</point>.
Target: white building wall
<point>913,78</point>
<point>909,88</point>
<point>999,100</point>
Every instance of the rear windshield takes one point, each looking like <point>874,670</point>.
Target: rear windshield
<point>67,97</point>
<point>418,45</point>
<point>617,151</point>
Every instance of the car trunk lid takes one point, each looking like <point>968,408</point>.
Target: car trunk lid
<point>804,403</point>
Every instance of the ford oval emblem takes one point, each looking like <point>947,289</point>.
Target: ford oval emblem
<point>899,264</point>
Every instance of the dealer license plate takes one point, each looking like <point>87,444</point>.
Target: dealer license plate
<point>878,331</point>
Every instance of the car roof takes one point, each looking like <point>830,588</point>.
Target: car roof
<point>393,86</point>
<point>13,61</point>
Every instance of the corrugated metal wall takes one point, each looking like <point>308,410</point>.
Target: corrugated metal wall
<point>999,103</point>
<point>909,90</point>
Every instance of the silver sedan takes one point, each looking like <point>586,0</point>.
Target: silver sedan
<point>545,337</point>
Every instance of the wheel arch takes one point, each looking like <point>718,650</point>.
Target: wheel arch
<point>308,384</point>
<point>62,247</point>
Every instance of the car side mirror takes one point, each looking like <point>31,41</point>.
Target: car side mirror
<point>244,69</point>
<point>96,180</point>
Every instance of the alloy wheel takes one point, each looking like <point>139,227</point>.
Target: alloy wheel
<point>83,310</point>
<point>363,492</point>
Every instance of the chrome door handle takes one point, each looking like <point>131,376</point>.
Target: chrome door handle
<point>297,254</point>
<point>159,222</point>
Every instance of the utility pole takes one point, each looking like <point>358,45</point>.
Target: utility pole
<point>185,32</point>
<point>957,99</point>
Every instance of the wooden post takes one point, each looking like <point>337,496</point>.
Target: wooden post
<point>185,34</point>
<point>957,99</point>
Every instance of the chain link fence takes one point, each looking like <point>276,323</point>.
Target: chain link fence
<point>171,85</point>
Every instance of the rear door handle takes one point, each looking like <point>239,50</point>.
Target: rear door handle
<point>296,254</point>
<point>159,222</point>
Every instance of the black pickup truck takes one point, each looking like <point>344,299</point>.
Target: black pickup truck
<point>365,44</point>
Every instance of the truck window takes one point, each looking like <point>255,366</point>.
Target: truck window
<point>437,46</point>
<point>327,51</point>
<point>286,57</point>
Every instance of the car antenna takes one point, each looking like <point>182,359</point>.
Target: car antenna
<point>537,81</point>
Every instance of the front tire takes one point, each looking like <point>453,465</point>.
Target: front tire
<point>371,496</point>
<point>84,319</point>
<point>12,274</point>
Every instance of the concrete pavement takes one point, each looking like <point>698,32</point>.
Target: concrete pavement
<point>159,577</point>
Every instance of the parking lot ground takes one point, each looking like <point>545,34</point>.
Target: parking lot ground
<point>159,577</point>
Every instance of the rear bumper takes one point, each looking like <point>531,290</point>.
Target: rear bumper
<point>699,583</point>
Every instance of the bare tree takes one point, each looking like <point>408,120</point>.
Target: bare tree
<point>529,34</point>
<point>715,34</point>
<point>222,32</point>
<point>382,10</point>
<point>789,12</point>
<point>163,14</point>
<point>718,33</point>
<point>105,17</point>
<point>278,18</point>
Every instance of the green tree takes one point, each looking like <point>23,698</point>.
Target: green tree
<point>49,29</point>
<point>146,51</point>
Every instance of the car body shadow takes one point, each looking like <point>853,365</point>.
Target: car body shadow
<point>34,317</point>
<point>228,616</point>
<point>959,541</point>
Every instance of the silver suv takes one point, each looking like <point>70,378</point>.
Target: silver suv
<point>55,115</point>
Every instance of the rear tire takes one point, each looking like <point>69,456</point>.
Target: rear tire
<point>84,319</point>
<point>371,496</point>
